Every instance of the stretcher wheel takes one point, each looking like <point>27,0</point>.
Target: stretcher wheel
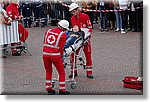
<point>65,65</point>
<point>53,84</point>
<point>73,85</point>
<point>84,66</point>
<point>80,59</point>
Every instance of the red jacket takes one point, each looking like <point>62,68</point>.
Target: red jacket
<point>12,11</point>
<point>83,21</point>
<point>54,42</point>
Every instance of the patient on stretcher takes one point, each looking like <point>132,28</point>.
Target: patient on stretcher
<point>75,39</point>
<point>73,35</point>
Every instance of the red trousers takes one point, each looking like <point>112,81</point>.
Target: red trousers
<point>58,63</point>
<point>87,51</point>
<point>24,33</point>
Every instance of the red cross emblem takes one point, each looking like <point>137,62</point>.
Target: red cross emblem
<point>51,39</point>
<point>84,25</point>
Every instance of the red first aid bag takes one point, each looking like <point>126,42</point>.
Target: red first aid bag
<point>133,82</point>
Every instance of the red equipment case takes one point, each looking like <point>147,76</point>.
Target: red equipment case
<point>133,82</point>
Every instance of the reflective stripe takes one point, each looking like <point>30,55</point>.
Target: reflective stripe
<point>50,86</point>
<point>24,18</point>
<point>58,39</point>
<point>52,32</point>
<point>47,34</point>
<point>39,5</point>
<point>62,88</point>
<point>61,82</point>
<point>42,18</point>
<point>89,26</point>
<point>88,69</point>
<point>51,54</point>
<point>89,66</point>
<point>47,45</point>
<point>48,81</point>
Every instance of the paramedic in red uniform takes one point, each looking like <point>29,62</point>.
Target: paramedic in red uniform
<point>83,21</point>
<point>13,13</point>
<point>53,50</point>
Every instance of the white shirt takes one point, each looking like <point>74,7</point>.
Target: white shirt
<point>123,4</point>
<point>101,3</point>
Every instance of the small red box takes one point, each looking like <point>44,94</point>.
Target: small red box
<point>133,82</point>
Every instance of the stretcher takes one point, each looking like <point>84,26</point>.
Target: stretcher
<point>78,60</point>
<point>8,35</point>
<point>78,43</point>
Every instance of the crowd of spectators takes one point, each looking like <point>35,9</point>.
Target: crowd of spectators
<point>38,13</point>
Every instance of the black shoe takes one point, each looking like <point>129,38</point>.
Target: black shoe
<point>90,76</point>
<point>134,30</point>
<point>25,26</point>
<point>64,93</point>
<point>71,75</point>
<point>51,92</point>
<point>4,56</point>
<point>138,30</point>
<point>42,25</point>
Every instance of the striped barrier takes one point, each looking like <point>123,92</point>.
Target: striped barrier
<point>9,34</point>
<point>89,10</point>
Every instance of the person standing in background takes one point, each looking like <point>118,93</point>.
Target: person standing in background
<point>13,12</point>
<point>118,16</point>
<point>111,16</point>
<point>137,15</point>
<point>103,5</point>
<point>123,5</point>
<point>89,5</point>
<point>38,11</point>
<point>26,10</point>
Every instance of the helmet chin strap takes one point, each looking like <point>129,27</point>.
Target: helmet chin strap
<point>61,28</point>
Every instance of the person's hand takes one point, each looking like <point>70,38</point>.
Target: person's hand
<point>74,35</point>
<point>2,19</point>
<point>20,17</point>
<point>8,21</point>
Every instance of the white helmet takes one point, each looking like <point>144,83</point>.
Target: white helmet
<point>14,1</point>
<point>73,6</point>
<point>64,24</point>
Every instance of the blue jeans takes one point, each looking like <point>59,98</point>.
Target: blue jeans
<point>118,19</point>
<point>70,41</point>
<point>103,19</point>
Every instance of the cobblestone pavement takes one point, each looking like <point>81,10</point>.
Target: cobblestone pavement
<point>115,55</point>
